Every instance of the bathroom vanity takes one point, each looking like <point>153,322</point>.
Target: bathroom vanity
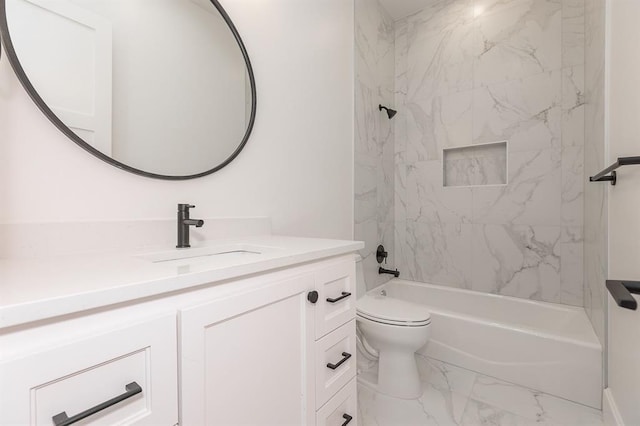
<point>249,331</point>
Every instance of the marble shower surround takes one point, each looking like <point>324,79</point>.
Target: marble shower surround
<point>482,71</point>
<point>374,136</point>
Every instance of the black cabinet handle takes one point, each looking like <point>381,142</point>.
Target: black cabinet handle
<point>62,419</point>
<point>345,357</point>
<point>621,293</point>
<point>347,419</point>
<point>337,299</point>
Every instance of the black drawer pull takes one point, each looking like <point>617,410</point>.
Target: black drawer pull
<point>337,299</point>
<point>347,419</point>
<point>345,357</point>
<point>62,419</point>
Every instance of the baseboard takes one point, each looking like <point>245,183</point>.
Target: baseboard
<point>610,411</point>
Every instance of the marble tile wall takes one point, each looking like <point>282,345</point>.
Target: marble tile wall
<point>595,206</point>
<point>482,71</point>
<point>374,135</point>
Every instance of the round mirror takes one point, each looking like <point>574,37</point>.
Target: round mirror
<point>160,88</point>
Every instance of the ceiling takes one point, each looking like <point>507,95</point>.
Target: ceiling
<point>401,8</point>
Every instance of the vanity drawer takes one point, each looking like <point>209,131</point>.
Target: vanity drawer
<point>342,409</point>
<point>337,297</point>
<point>137,364</point>
<point>335,361</point>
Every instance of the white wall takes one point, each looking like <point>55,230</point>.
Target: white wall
<point>624,140</point>
<point>297,167</point>
<point>624,205</point>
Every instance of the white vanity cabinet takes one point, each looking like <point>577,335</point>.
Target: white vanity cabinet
<point>270,348</point>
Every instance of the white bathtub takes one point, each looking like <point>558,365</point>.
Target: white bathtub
<point>544,346</point>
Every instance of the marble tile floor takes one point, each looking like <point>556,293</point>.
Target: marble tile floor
<point>455,396</point>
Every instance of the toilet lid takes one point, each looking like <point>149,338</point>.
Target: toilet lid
<point>394,311</point>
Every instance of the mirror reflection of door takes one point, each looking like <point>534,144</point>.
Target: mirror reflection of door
<point>160,86</point>
<point>77,81</point>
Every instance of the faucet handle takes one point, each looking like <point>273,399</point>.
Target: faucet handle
<point>381,254</point>
<point>185,207</point>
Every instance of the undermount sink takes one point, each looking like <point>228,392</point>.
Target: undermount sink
<point>226,251</point>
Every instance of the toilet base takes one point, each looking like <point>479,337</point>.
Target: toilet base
<point>397,376</point>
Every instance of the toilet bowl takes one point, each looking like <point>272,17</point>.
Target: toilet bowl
<point>396,329</point>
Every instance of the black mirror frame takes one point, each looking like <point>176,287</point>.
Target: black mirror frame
<point>5,41</point>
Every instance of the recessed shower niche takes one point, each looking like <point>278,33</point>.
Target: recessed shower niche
<point>475,165</point>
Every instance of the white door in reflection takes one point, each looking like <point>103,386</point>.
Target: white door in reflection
<point>78,45</point>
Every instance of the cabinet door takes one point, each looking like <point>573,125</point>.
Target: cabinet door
<point>248,359</point>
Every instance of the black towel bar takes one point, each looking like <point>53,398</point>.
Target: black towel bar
<point>604,175</point>
<point>621,293</point>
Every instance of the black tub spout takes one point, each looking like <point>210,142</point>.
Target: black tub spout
<point>395,273</point>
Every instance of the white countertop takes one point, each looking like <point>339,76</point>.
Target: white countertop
<point>40,288</point>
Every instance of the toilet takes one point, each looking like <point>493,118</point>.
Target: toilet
<point>396,329</point>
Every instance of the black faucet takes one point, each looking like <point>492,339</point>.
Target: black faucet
<point>184,222</point>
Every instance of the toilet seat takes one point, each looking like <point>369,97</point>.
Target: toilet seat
<point>391,311</point>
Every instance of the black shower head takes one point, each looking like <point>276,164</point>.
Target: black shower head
<point>390,112</point>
